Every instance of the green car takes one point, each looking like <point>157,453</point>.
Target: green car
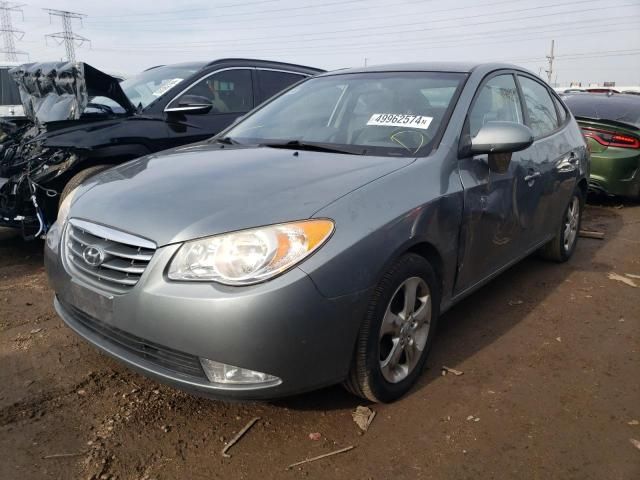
<point>611,125</point>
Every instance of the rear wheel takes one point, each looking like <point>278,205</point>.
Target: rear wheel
<point>80,177</point>
<point>395,338</point>
<point>562,246</point>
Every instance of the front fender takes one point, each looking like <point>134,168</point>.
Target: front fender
<point>420,204</point>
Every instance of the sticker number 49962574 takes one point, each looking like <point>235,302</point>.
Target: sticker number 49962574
<point>400,120</point>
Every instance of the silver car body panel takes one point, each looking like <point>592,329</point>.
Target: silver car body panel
<point>301,326</point>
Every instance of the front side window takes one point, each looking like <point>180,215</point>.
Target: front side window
<point>366,113</point>
<point>497,101</point>
<point>229,91</point>
<point>540,108</point>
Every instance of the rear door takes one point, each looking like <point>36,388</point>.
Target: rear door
<point>554,172</point>
<point>495,216</point>
<point>231,92</point>
<point>271,81</point>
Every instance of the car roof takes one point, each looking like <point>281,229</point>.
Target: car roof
<point>242,62</point>
<point>453,67</point>
<point>264,64</point>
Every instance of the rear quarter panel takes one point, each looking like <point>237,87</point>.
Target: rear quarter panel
<point>614,170</point>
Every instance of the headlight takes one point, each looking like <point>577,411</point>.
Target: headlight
<point>249,256</point>
<point>65,206</point>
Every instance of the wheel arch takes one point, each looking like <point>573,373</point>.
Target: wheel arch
<point>431,254</point>
<point>426,250</point>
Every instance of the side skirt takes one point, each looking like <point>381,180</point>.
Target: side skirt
<point>469,290</point>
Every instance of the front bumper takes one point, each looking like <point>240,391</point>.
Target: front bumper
<point>284,327</point>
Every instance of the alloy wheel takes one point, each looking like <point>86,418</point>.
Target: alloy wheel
<point>571,221</point>
<point>405,329</point>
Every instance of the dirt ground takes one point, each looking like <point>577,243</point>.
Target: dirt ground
<point>550,390</point>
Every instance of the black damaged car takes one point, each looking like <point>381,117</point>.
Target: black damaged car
<point>84,121</point>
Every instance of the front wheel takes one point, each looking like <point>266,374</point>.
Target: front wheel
<point>395,337</point>
<point>562,246</point>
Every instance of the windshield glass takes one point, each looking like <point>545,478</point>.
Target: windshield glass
<point>148,86</point>
<point>391,113</point>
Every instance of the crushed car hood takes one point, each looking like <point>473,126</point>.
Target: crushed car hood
<point>202,190</point>
<point>61,91</point>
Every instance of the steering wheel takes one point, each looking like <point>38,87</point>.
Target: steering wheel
<point>385,135</point>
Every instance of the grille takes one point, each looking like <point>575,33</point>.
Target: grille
<point>160,355</point>
<point>108,259</point>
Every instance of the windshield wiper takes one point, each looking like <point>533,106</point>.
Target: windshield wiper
<point>315,147</point>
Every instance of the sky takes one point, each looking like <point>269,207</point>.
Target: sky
<point>595,40</point>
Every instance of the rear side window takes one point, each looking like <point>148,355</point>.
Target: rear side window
<point>272,82</point>
<point>497,101</point>
<point>562,113</point>
<point>540,108</point>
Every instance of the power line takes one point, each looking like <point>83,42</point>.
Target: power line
<point>184,10</point>
<point>379,32</point>
<point>242,14</point>
<point>347,20</point>
<point>435,40</point>
<point>67,36</point>
<point>420,26</point>
<point>8,33</point>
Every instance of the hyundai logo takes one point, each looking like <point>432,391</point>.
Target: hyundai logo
<point>93,256</point>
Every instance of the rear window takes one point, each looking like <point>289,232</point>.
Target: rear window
<point>619,108</point>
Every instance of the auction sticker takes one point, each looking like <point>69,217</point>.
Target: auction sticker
<point>166,86</point>
<point>400,120</point>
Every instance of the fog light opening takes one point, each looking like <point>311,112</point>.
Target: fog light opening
<point>223,374</point>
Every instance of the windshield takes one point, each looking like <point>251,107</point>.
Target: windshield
<point>148,86</point>
<point>392,113</point>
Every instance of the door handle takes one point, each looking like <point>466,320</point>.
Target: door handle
<point>532,176</point>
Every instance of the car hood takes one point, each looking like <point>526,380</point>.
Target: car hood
<point>202,190</point>
<point>58,91</point>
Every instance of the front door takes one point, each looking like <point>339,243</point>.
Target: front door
<point>230,91</point>
<point>497,206</point>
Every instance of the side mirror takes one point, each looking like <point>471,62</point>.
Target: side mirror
<point>499,140</point>
<point>501,137</point>
<point>191,104</point>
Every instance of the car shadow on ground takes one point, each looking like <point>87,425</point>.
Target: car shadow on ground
<point>489,313</point>
<point>602,200</point>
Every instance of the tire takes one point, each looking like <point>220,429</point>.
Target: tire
<point>382,369</point>
<point>561,247</point>
<point>80,177</point>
